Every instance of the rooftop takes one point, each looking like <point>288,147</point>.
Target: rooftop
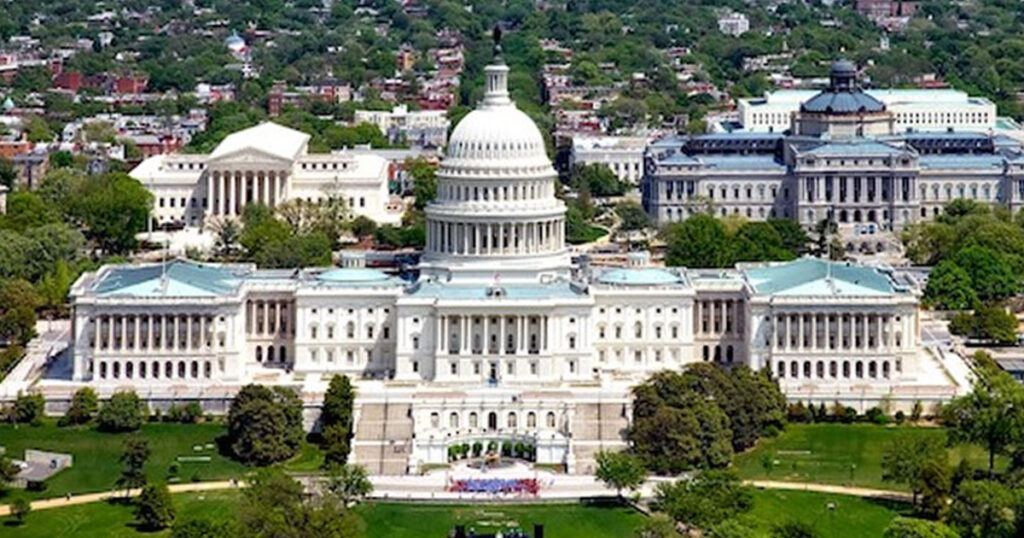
<point>815,277</point>
<point>267,137</point>
<point>177,278</point>
<point>508,292</point>
<point>640,277</point>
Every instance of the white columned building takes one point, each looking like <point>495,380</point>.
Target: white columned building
<point>502,338</point>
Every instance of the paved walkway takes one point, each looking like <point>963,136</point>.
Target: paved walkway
<point>416,488</point>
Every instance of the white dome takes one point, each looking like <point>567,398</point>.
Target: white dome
<point>503,133</point>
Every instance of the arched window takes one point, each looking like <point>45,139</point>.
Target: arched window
<point>435,420</point>
<point>129,369</point>
<point>156,370</point>
<point>312,331</point>
<point>195,369</point>
<point>181,369</point>
<point>550,419</point>
<point>168,369</point>
<point>512,420</point>
<point>142,370</point>
<point>350,330</point>
<point>270,353</point>
<point>531,420</point>
<point>472,420</point>
<point>281,355</point>
<point>453,420</point>
<point>638,330</point>
<point>780,369</point>
<point>259,354</point>
<point>728,354</point>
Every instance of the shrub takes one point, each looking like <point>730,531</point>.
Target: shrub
<point>28,408</point>
<point>123,412</point>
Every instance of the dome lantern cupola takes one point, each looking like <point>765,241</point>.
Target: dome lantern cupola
<point>496,212</point>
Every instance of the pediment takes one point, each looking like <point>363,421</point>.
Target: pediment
<point>249,156</point>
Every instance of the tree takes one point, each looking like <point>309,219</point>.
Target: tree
<point>598,180</point>
<point>731,528</point>
<point>699,241</point>
<point>363,226</point>
<point>154,509</point>
<point>906,527</point>
<point>424,181</point>
<point>275,505</point>
<point>759,241</point>
<point>20,509</point>
<point>202,528</point>
<point>226,233</point>
<point>632,215</point>
<point>123,412</point>
<point>8,471</point>
<point>620,470</point>
<point>8,174</point>
<point>992,276</point>
<point>991,415</point>
<point>794,237</point>
<point>705,500</point>
<point>659,525</point>
<point>949,288</point>
<point>336,420</point>
<point>905,457</point>
<point>794,529</point>
<point>349,482</point>
<point>114,207</point>
<point>264,424</point>
<point>84,404</point>
<point>985,509</point>
<point>995,324</point>
<point>28,408</point>
<point>133,459</point>
<point>18,302</point>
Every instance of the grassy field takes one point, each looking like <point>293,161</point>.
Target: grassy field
<point>111,520</point>
<point>568,521</point>
<point>846,454</point>
<point>96,454</point>
<point>851,518</point>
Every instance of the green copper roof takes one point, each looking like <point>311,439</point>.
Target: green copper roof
<point>640,277</point>
<point>177,278</point>
<point>814,277</point>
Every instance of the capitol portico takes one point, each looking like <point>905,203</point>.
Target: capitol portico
<point>502,337</point>
<point>268,164</point>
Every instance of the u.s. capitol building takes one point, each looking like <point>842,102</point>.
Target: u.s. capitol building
<point>502,337</point>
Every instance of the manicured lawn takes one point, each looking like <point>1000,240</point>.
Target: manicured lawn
<point>852,517</point>
<point>560,520</point>
<point>96,454</point>
<point>846,454</point>
<point>111,520</point>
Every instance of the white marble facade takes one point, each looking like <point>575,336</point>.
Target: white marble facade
<point>502,338</point>
<point>268,164</point>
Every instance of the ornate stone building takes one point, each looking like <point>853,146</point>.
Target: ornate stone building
<point>843,161</point>
<point>267,164</point>
<point>502,338</point>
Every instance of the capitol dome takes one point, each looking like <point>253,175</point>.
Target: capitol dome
<point>496,212</point>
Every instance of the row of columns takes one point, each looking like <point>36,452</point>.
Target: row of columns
<point>800,331</point>
<point>718,317</point>
<point>500,238</point>
<point>186,332</point>
<point>455,334</point>
<point>228,192</point>
<point>531,190</point>
<point>267,317</point>
<point>841,189</point>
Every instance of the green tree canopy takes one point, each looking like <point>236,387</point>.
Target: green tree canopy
<point>265,424</point>
<point>620,470</point>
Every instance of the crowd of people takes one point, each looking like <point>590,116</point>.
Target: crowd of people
<point>521,486</point>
